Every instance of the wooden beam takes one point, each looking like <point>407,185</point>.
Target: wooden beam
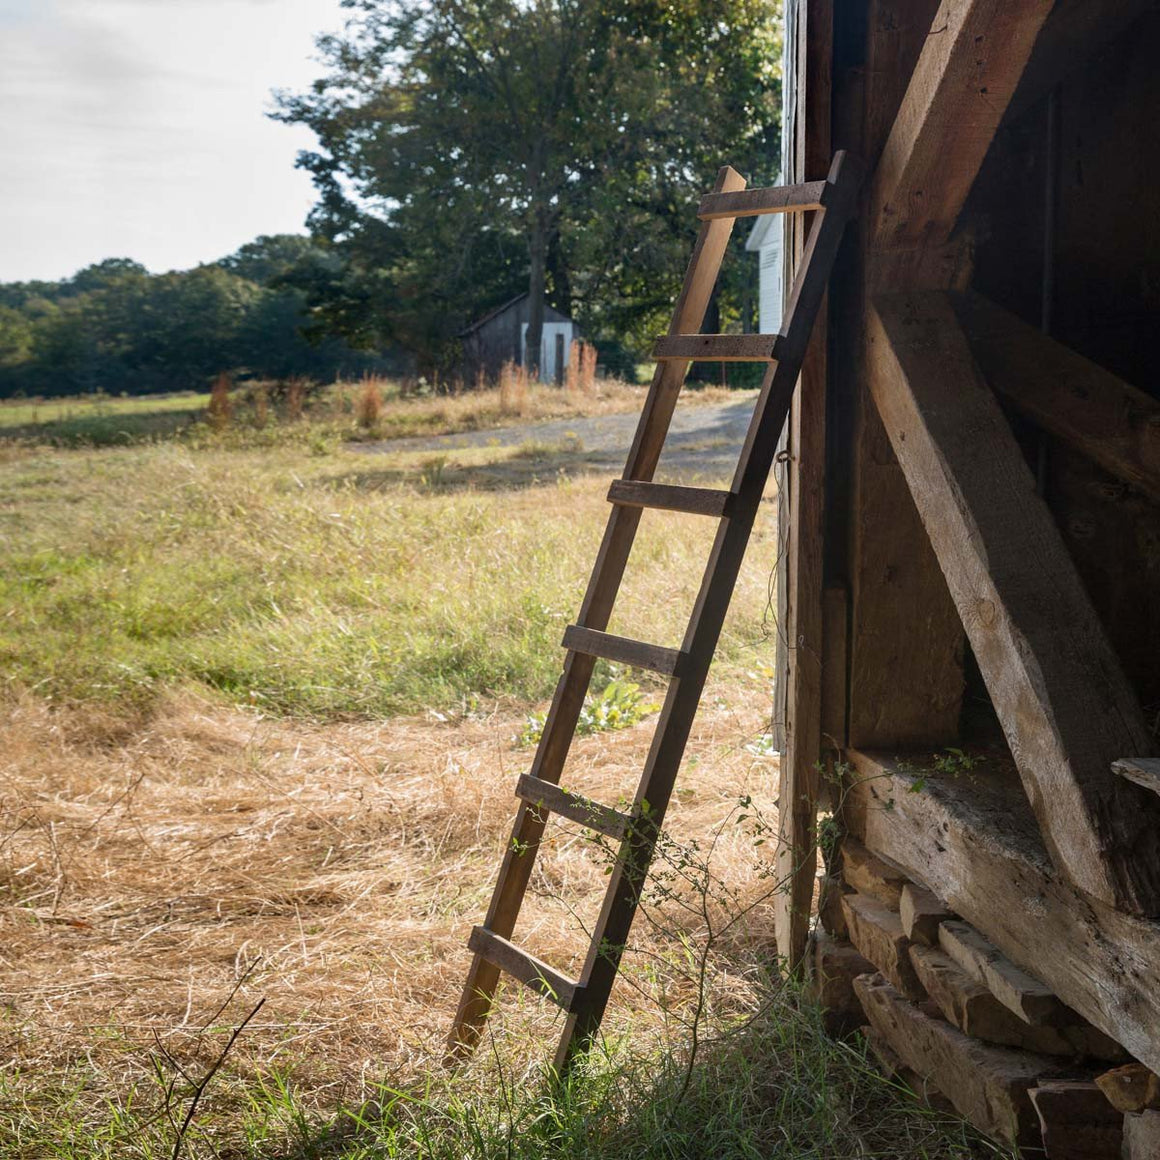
<point>796,857</point>
<point>1065,706</point>
<point>717,347</point>
<point>974,842</point>
<point>834,667</point>
<point>896,31</point>
<point>970,64</point>
<point>1143,771</point>
<point>898,695</point>
<point>1075,30</point>
<point>1083,405</point>
<point>1077,1122</point>
<point>1142,1136</point>
<point>1021,993</point>
<point>987,1085</point>
<point>752,202</point>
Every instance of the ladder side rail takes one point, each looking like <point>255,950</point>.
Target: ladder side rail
<point>667,750</point>
<point>595,611</point>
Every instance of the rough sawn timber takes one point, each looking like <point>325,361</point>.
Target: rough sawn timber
<point>870,875</point>
<point>798,779</point>
<point>1077,1122</point>
<point>988,1085</point>
<point>977,846</point>
<point>1064,703</point>
<point>876,932</point>
<point>966,74</point>
<point>1102,417</point>
<point>921,912</point>
<point>1022,994</point>
<point>898,695</point>
<point>1142,1136</point>
<point>1143,771</point>
<point>975,1011</point>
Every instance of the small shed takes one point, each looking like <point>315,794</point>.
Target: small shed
<point>501,337</point>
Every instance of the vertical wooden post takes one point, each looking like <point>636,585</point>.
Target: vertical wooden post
<point>797,799</point>
<point>906,641</point>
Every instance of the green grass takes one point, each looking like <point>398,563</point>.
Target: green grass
<point>100,420</point>
<point>774,1086</point>
<point>307,580</point>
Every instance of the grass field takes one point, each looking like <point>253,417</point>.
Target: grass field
<point>297,413</point>
<point>261,716</point>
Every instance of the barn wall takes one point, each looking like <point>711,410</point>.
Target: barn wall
<point>1099,293</point>
<point>985,859</point>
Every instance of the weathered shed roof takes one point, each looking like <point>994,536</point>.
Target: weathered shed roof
<point>551,314</point>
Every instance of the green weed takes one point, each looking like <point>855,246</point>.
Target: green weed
<point>618,705</point>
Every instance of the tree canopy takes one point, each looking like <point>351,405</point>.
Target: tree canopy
<point>115,327</point>
<point>469,149</point>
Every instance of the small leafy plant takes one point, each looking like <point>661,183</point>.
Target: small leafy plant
<point>950,763</point>
<point>618,705</point>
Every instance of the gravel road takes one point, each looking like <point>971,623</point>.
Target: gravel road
<point>703,442</point>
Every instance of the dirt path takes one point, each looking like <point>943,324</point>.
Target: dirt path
<point>703,442</point>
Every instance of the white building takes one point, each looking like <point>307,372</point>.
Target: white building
<point>767,240</point>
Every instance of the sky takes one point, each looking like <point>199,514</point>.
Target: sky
<point>137,129</point>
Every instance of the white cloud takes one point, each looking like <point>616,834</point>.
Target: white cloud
<point>137,128</point>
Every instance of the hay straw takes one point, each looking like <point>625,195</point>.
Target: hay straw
<point>141,876</point>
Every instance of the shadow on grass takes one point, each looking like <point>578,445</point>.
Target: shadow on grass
<point>104,430</point>
<point>532,465</point>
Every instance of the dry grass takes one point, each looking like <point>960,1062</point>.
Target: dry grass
<point>344,863</point>
<point>369,409</point>
<point>513,388</point>
<point>514,396</point>
<point>271,413</point>
<point>580,374</point>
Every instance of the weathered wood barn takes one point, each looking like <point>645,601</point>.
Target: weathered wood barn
<point>971,590</point>
<point>501,336</point>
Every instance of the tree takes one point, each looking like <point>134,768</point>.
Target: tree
<point>15,337</point>
<point>466,146</point>
<point>102,275</point>
<point>269,258</point>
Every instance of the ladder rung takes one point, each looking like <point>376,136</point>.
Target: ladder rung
<point>620,648</point>
<point>530,971</point>
<point>774,199</point>
<point>603,819</point>
<point>697,501</point>
<point>718,347</point>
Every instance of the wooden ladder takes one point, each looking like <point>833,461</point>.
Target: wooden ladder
<point>637,830</point>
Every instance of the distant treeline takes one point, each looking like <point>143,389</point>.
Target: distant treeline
<point>115,327</point>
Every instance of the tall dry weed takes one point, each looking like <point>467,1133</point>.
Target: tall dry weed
<point>513,388</point>
<point>220,407</point>
<point>370,405</point>
<point>295,398</point>
<point>580,374</point>
<point>260,400</point>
